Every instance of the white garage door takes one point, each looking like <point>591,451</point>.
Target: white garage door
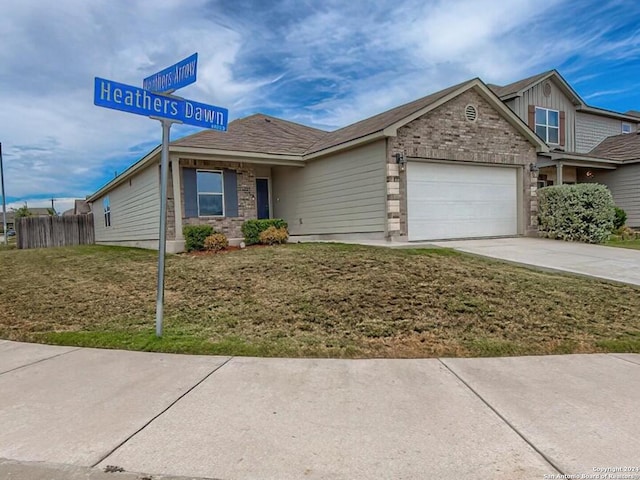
<point>460,201</point>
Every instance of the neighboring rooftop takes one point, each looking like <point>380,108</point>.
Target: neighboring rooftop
<point>624,147</point>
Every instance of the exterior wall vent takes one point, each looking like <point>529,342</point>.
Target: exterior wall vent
<point>471,113</point>
<point>546,89</point>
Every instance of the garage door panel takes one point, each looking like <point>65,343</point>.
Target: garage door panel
<point>460,201</point>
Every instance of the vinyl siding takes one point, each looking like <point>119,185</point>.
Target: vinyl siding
<point>592,129</point>
<point>624,184</point>
<point>343,193</point>
<point>135,209</point>
<point>556,101</point>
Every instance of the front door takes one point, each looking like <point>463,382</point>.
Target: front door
<point>262,197</point>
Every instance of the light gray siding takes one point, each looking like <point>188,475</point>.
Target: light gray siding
<point>556,101</point>
<point>343,193</point>
<point>592,129</point>
<point>624,183</point>
<point>135,209</point>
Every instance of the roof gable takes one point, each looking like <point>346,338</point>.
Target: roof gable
<point>379,122</point>
<point>517,88</point>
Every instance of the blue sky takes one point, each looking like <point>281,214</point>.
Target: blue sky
<point>321,63</point>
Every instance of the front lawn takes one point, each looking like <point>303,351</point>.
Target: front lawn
<point>635,244</point>
<point>312,300</point>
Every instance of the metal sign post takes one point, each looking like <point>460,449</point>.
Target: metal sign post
<point>154,101</point>
<point>164,175</point>
<point>4,200</point>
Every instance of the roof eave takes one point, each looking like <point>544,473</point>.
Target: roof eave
<point>237,155</point>
<point>608,113</point>
<point>372,137</point>
<point>568,156</point>
<point>490,97</point>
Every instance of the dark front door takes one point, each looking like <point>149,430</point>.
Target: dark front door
<point>262,197</point>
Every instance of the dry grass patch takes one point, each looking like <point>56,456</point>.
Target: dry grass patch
<point>312,300</point>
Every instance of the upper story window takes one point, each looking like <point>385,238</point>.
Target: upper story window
<point>210,193</point>
<point>106,206</point>
<point>548,125</point>
<point>626,128</point>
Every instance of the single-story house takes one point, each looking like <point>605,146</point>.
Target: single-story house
<point>80,207</point>
<point>458,163</point>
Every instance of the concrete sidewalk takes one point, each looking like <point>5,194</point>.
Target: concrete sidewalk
<point>81,410</point>
<point>609,263</point>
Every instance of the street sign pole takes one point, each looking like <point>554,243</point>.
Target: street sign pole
<point>164,180</point>
<point>4,200</point>
<point>154,100</point>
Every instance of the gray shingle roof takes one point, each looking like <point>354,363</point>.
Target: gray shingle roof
<point>515,87</point>
<point>264,134</point>
<point>622,147</point>
<point>257,133</point>
<point>379,122</point>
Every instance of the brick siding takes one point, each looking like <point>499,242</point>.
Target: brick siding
<point>246,177</point>
<point>445,134</point>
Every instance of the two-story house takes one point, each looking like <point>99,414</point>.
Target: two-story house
<point>586,144</point>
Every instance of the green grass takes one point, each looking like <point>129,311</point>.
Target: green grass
<point>320,300</point>
<point>635,244</point>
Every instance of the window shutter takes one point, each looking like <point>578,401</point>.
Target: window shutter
<point>190,192</point>
<point>532,117</point>
<point>230,193</point>
<point>562,129</point>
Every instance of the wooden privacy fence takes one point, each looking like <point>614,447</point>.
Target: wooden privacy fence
<point>42,232</point>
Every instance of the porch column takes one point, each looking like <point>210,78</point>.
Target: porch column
<point>559,173</point>
<point>177,196</point>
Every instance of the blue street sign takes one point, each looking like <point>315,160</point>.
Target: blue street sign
<point>174,77</point>
<point>207,116</point>
<point>128,98</point>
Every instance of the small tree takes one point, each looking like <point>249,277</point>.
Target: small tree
<point>23,211</point>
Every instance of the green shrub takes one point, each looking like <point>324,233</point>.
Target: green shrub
<point>582,212</point>
<point>251,228</point>
<point>194,236</point>
<point>620,218</point>
<point>273,235</point>
<point>216,242</point>
<point>626,233</point>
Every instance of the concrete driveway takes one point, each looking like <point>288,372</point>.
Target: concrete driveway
<point>610,263</point>
<point>82,410</point>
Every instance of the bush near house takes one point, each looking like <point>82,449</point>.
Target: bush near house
<point>251,229</point>
<point>216,242</point>
<point>273,236</point>
<point>582,212</point>
<point>195,235</point>
<point>620,218</point>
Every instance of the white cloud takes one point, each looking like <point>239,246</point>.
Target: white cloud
<point>324,63</point>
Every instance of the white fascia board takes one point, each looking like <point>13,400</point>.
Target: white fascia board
<point>237,156</point>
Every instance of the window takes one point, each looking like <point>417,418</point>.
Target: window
<point>548,125</point>
<point>210,194</point>
<point>626,128</point>
<point>106,206</point>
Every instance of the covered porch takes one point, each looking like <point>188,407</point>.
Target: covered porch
<point>571,168</point>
